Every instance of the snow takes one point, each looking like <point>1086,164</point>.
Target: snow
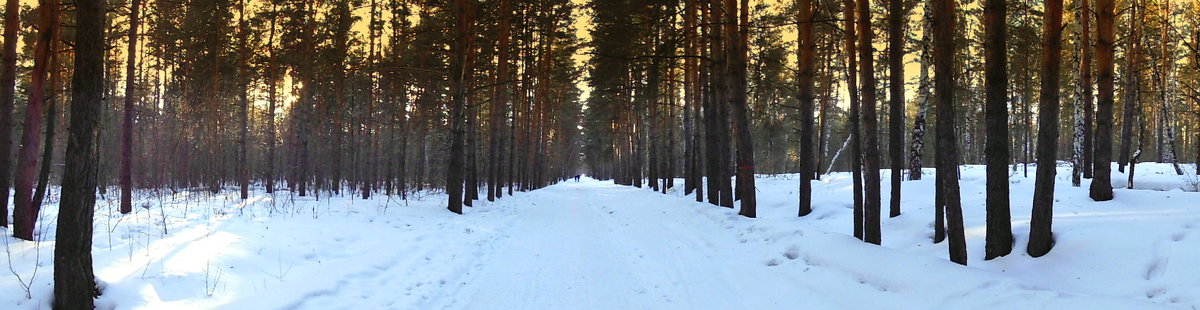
<point>595,245</point>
